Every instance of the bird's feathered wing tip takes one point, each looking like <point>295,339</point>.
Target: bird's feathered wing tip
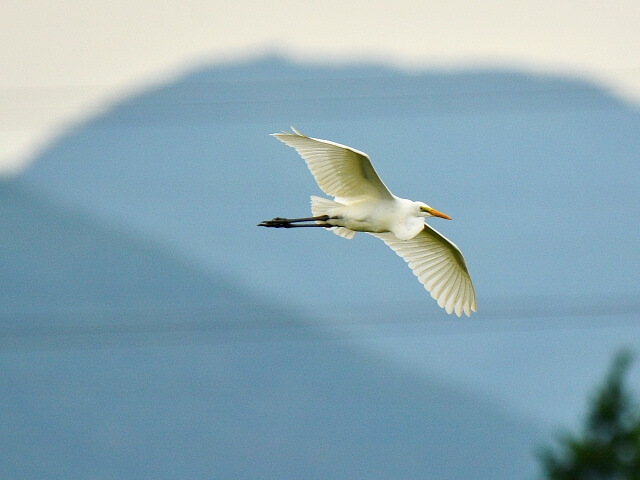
<point>339,170</point>
<point>440,267</point>
<point>284,132</point>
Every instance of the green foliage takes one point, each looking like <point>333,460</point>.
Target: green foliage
<point>609,447</point>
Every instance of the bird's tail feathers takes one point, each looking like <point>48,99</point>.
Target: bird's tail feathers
<point>323,206</point>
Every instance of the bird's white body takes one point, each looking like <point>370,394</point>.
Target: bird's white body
<point>363,203</point>
<point>365,214</point>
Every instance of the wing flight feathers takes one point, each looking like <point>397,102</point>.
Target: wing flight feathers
<point>340,171</point>
<point>440,267</point>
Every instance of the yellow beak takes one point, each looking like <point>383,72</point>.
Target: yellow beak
<point>437,213</point>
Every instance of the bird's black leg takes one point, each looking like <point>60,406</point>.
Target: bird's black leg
<point>279,222</point>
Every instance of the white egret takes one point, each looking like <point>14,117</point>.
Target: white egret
<point>363,203</point>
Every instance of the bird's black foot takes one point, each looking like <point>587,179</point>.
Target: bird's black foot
<point>279,222</point>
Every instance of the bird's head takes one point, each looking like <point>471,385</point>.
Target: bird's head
<point>427,211</point>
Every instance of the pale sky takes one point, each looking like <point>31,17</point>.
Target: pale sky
<point>67,59</point>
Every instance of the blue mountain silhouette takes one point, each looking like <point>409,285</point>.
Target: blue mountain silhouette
<point>151,329</point>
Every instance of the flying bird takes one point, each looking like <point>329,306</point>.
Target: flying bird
<point>363,203</point>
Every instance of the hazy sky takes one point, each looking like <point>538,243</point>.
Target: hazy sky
<point>66,59</point>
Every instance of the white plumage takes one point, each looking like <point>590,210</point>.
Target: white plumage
<point>363,203</point>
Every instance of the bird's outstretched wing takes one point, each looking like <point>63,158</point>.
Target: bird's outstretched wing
<point>340,171</point>
<point>440,267</point>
